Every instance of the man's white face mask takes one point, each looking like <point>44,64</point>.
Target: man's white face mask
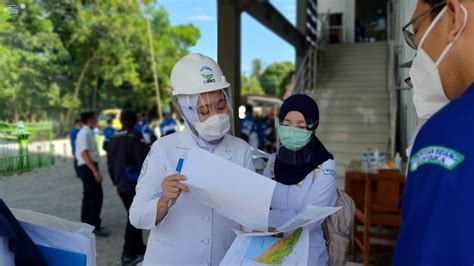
<point>429,95</point>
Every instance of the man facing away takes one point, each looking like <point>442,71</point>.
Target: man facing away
<point>72,137</point>
<point>128,150</point>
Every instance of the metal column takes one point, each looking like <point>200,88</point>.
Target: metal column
<point>228,50</point>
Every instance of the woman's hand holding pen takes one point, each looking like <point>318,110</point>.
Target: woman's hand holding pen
<point>172,187</point>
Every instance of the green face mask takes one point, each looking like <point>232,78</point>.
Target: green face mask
<point>293,138</point>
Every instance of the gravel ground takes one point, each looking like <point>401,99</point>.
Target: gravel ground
<point>57,191</point>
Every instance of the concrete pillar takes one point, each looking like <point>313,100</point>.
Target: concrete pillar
<point>228,50</point>
<point>301,20</point>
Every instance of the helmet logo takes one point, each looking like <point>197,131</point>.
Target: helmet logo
<point>207,75</point>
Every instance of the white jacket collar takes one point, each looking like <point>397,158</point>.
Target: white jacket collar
<point>223,149</point>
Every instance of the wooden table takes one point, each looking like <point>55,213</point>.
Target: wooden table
<point>355,181</point>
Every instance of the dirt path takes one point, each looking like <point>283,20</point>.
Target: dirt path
<point>57,191</point>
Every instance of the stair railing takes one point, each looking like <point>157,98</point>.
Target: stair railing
<point>393,82</point>
<point>307,72</point>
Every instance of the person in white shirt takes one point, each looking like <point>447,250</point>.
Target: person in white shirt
<point>87,160</point>
<point>185,231</point>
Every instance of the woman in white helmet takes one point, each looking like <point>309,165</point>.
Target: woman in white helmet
<point>183,230</point>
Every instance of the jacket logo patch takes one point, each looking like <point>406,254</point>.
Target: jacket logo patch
<point>330,172</point>
<point>439,155</point>
<point>144,166</point>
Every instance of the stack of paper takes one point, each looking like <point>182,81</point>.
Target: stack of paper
<point>233,191</point>
<point>262,248</point>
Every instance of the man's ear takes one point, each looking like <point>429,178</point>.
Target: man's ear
<point>456,14</point>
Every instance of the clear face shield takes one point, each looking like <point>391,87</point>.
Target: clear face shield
<point>209,115</point>
<point>294,139</point>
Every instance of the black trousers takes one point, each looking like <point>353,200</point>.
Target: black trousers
<point>92,197</point>
<point>76,167</point>
<point>133,237</point>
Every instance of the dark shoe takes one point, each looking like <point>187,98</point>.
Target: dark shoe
<point>131,260</point>
<point>100,233</point>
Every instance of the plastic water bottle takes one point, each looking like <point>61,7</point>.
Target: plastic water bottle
<point>377,155</point>
<point>365,161</point>
<point>373,161</point>
<point>382,160</point>
<point>398,161</point>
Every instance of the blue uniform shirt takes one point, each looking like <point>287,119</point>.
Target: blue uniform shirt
<point>249,125</point>
<point>72,137</point>
<point>438,199</point>
<point>108,132</point>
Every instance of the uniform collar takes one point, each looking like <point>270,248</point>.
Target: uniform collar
<point>223,149</point>
<point>87,128</point>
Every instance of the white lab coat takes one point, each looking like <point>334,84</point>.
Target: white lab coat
<point>191,233</point>
<point>288,201</point>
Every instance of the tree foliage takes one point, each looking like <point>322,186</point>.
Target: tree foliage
<point>44,50</point>
<point>271,80</point>
<point>250,85</point>
<point>276,77</point>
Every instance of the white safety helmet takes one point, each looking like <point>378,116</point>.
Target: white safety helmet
<point>195,74</point>
<point>208,115</point>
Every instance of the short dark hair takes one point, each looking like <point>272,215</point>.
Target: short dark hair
<point>77,121</point>
<point>433,3</point>
<point>86,116</point>
<point>110,121</point>
<point>128,118</point>
<point>248,109</point>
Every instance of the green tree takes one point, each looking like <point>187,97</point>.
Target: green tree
<point>95,50</point>
<point>276,77</point>
<point>29,52</point>
<point>256,67</point>
<point>250,85</point>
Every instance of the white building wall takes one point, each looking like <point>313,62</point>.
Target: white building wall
<point>405,8</point>
<point>347,8</point>
<point>408,119</point>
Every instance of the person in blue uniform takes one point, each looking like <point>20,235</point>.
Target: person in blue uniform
<point>266,134</point>
<point>72,138</point>
<point>109,130</point>
<point>249,127</point>
<point>437,204</point>
<point>168,125</point>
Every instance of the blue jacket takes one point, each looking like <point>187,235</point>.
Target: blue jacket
<point>108,132</point>
<point>438,198</point>
<point>72,137</point>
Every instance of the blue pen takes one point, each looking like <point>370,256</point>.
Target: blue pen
<point>179,166</point>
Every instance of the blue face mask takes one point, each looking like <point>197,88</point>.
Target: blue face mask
<point>293,138</point>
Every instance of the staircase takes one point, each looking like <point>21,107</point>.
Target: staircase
<point>353,101</point>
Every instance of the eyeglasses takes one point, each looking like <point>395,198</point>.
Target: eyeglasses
<point>310,127</point>
<point>410,35</point>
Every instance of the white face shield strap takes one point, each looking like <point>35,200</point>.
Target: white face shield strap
<point>207,115</point>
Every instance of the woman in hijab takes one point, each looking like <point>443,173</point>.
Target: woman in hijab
<point>304,169</point>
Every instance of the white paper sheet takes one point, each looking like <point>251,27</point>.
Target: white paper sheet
<point>245,251</point>
<point>310,215</point>
<point>233,191</point>
<point>51,231</point>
